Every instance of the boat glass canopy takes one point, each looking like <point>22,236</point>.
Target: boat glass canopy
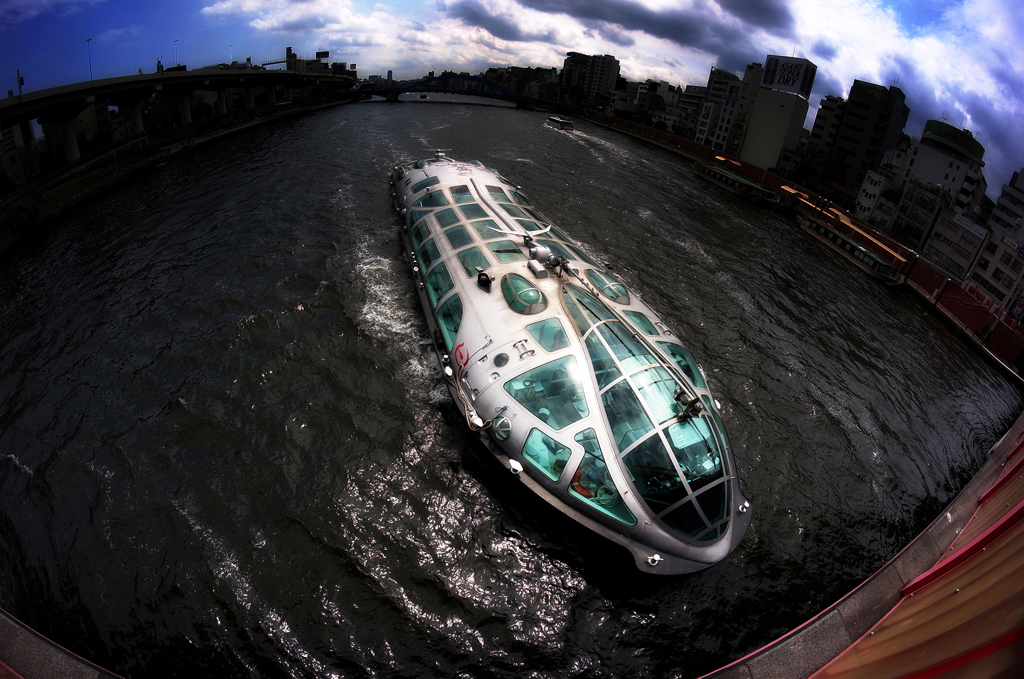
<point>553,392</point>
<point>521,295</point>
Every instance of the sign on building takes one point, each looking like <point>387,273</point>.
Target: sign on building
<point>322,55</point>
<point>789,74</point>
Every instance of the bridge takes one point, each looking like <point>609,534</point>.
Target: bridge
<point>61,105</point>
<point>460,84</point>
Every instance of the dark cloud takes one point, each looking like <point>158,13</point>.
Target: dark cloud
<point>472,13</point>
<point>695,27</point>
<point>823,50</point>
<point>311,23</point>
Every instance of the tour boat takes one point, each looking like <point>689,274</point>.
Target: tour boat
<point>561,123</point>
<point>574,384</point>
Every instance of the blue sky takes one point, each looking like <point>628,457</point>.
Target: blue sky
<point>961,60</point>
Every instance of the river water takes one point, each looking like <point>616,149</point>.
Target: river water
<point>225,449</point>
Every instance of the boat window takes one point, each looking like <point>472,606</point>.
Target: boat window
<point>476,162</point>
<point>473,211</point>
<point>432,199</point>
<point>595,311</point>
<point>528,225</point>
<point>605,369</point>
<point>521,295</point>
<point>682,357</point>
<point>719,429</point>
<point>519,198</point>
<point>461,194</point>
<point>658,389</point>
<point>537,215</point>
<point>685,520</point>
<point>556,232</point>
<point>630,353</point>
<point>656,478</point>
<point>578,319</point>
<point>714,502</point>
<point>446,217</point>
<point>419,233</point>
<point>428,255</point>
<point>556,248</point>
<point>504,181</point>
<point>487,229</point>
<point>628,421</point>
<point>592,484</point>
<point>696,451</point>
<point>549,334</point>
<point>420,185</point>
<point>582,256</point>
<point>401,172</point>
<point>458,236</point>
<point>514,211</point>
<point>641,321</point>
<point>497,194</point>
<point>449,317</point>
<point>506,251</point>
<point>546,454</point>
<point>417,215</point>
<point>609,287</point>
<point>438,283</point>
<point>472,259</point>
<point>553,392</point>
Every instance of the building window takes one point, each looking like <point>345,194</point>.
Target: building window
<point>983,264</point>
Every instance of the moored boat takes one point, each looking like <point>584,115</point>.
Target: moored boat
<point>733,182</point>
<point>573,382</point>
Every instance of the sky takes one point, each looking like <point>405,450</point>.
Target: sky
<point>958,61</point>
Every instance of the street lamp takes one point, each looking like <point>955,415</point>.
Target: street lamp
<point>89,42</point>
<point>176,53</point>
<point>229,53</point>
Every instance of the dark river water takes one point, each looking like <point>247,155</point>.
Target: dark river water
<point>225,450</point>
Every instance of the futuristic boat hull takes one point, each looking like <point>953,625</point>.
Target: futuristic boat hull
<point>573,382</point>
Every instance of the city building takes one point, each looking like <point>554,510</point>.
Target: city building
<point>776,118</point>
<point>997,272</point>
<point>723,117</point>
<point>917,211</point>
<point>826,121</point>
<point>955,243</point>
<point>1008,214</point>
<point>602,74</point>
<point>872,123</point>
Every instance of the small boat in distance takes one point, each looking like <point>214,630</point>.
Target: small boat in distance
<point>573,383</point>
<point>560,123</point>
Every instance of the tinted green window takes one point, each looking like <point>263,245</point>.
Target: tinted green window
<point>449,317</point>
<point>528,225</point>
<point>521,295</point>
<point>420,185</point>
<point>506,251</point>
<point>695,449</point>
<point>419,233</point>
<point>592,484</point>
<point>487,229</point>
<point>538,216</point>
<point>553,392</point>
<point>683,359</point>
<point>497,194</point>
<point>582,256</point>
<point>458,236</point>
<point>471,259</point>
<point>605,369</point>
<point>515,212</point>
<point>549,334</point>
<point>473,211</point>
<point>685,519</point>
<point>417,215</point>
<point>627,419</point>
<point>428,255</point>
<point>594,310</point>
<point>608,286</point>
<point>658,390</point>
<point>433,199</point>
<point>655,477</point>
<point>641,321</point>
<point>546,454</point>
<point>556,248</point>
<point>519,198</point>
<point>438,283</point>
<point>629,352</point>
<point>446,217</point>
<point>461,194</point>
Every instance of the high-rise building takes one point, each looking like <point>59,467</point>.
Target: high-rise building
<point>723,118</point>
<point>776,118</point>
<point>602,73</point>
<point>871,125</point>
<point>1008,214</point>
<point>826,122</point>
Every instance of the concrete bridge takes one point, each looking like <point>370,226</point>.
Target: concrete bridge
<point>460,84</point>
<point>61,105</point>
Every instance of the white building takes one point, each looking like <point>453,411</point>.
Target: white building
<point>1008,214</point>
